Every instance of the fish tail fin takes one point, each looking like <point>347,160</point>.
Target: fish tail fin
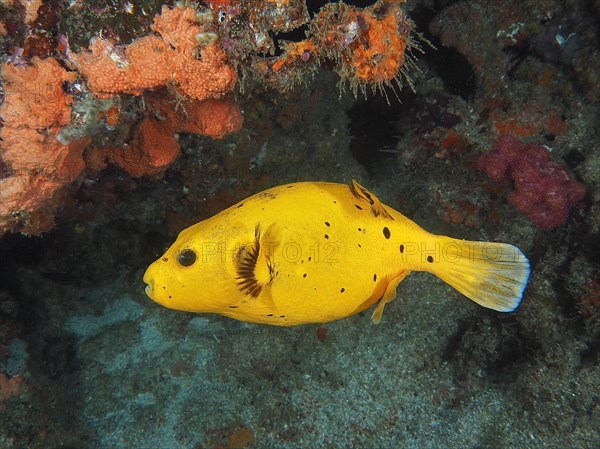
<point>493,275</point>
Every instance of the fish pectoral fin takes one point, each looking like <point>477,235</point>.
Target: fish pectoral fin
<point>388,296</point>
<point>254,266</point>
<point>377,209</point>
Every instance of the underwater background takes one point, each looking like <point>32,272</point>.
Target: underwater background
<point>124,122</point>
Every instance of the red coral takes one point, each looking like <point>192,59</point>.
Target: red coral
<point>544,190</point>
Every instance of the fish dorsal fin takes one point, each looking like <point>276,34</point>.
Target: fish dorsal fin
<point>254,267</point>
<point>377,209</point>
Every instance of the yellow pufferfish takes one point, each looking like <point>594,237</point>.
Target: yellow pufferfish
<point>314,252</point>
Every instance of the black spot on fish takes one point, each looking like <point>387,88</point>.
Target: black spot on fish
<point>342,290</point>
<point>334,202</point>
<point>359,245</point>
<point>304,275</point>
<point>233,307</point>
<point>359,229</point>
<point>281,316</point>
<point>269,314</point>
<point>375,277</point>
<point>289,187</point>
<point>358,207</point>
<point>240,205</point>
<point>327,224</point>
<point>386,232</point>
<point>326,236</point>
<point>170,296</point>
<point>165,259</point>
<point>401,249</point>
<point>429,259</point>
<point>309,258</point>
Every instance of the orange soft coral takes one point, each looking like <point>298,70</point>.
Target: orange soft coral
<point>31,195</point>
<point>379,54</point>
<point>295,51</point>
<point>37,165</point>
<point>213,118</point>
<point>172,57</point>
<point>370,45</point>
<point>152,150</point>
<point>155,145</point>
<point>34,94</point>
<point>149,62</point>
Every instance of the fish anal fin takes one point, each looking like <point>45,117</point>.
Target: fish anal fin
<point>388,296</point>
<point>377,209</point>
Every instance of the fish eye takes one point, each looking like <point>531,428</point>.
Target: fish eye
<point>186,257</point>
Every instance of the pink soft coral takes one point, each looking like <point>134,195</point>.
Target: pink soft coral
<point>544,190</point>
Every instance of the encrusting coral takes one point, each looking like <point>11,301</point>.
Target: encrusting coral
<point>367,46</point>
<point>155,145</point>
<point>36,164</point>
<point>192,59</point>
<point>174,58</point>
<point>371,45</point>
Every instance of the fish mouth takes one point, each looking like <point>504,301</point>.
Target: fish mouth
<point>148,290</point>
<point>149,285</point>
